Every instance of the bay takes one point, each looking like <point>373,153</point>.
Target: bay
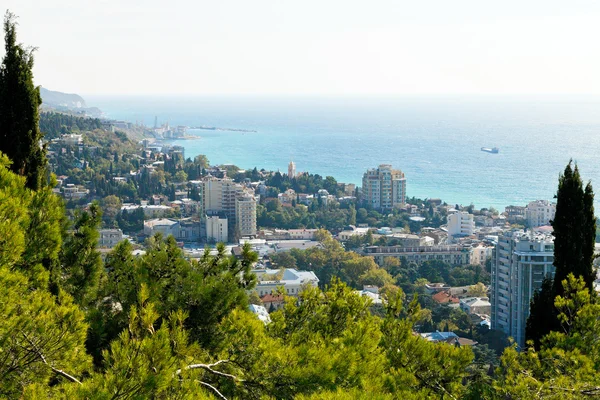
<point>436,141</point>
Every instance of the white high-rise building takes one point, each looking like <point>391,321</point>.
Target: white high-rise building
<point>539,213</point>
<point>291,170</point>
<point>220,195</point>
<point>384,188</point>
<point>521,262</point>
<point>245,211</point>
<point>460,224</point>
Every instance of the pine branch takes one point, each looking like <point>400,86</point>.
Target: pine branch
<point>57,371</point>
<point>209,368</point>
<point>214,389</point>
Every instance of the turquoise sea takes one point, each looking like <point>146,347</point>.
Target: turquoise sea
<point>435,141</point>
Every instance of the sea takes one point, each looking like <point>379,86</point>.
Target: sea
<point>435,141</point>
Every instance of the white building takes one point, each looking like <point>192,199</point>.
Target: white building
<point>216,229</point>
<point>480,254</point>
<point>245,214</point>
<point>184,230</point>
<point>460,224</point>
<point>220,195</point>
<point>150,211</point>
<point>476,305</point>
<point>539,213</point>
<point>384,188</point>
<point>291,170</point>
<point>521,261</point>
<point>165,226</point>
<point>109,238</point>
<point>291,280</point>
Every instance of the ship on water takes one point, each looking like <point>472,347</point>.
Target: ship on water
<point>493,150</point>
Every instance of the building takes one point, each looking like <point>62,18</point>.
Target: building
<point>290,280</point>
<point>476,305</point>
<point>515,214</point>
<point>460,224</point>
<point>273,301</point>
<point>150,211</point>
<point>291,170</point>
<point>165,226</point>
<point>216,229</point>
<point>74,192</point>
<point>384,188</point>
<point>448,337</point>
<point>521,261</point>
<point>455,255</point>
<point>220,195</point>
<point>539,213</point>
<point>183,230</point>
<point>109,238</point>
<point>245,215</point>
<point>480,254</point>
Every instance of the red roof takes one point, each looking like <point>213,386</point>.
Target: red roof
<point>269,298</point>
<point>444,297</point>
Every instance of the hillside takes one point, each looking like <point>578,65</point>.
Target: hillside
<point>67,102</point>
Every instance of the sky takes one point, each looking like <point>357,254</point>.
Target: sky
<point>313,47</point>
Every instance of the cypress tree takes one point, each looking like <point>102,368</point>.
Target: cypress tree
<point>574,230</point>
<point>20,135</point>
<point>574,239</point>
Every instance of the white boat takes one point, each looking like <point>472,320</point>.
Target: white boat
<point>493,150</point>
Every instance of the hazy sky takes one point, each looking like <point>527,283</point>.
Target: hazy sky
<point>332,47</point>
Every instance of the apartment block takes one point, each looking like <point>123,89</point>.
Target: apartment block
<point>539,213</point>
<point>461,224</point>
<point>521,261</point>
<point>455,255</point>
<point>384,188</point>
<point>245,214</point>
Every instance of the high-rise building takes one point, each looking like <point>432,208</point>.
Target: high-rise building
<point>460,224</point>
<point>521,262</point>
<point>220,195</point>
<point>245,211</point>
<point>384,188</point>
<point>539,213</point>
<point>291,170</point>
<point>225,197</point>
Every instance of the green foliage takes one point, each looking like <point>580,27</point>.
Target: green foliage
<point>20,135</point>
<point>574,229</point>
<point>574,241</point>
<point>81,269</point>
<point>54,124</point>
<point>566,366</point>
<point>39,335</point>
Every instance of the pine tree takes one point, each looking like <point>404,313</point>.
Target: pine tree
<point>20,135</point>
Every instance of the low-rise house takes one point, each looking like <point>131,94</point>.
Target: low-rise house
<point>476,305</point>
<point>109,238</point>
<point>372,292</point>
<point>150,211</point>
<point>291,280</point>
<point>183,230</point>
<point>447,337</point>
<point>432,288</point>
<point>287,245</point>
<point>446,298</point>
<point>273,301</point>
<point>74,192</point>
<point>165,226</point>
<point>350,231</point>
